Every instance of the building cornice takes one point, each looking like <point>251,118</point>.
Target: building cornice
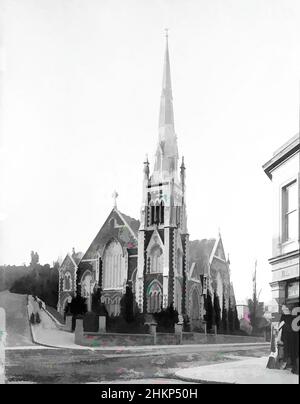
<point>291,254</point>
<point>282,154</point>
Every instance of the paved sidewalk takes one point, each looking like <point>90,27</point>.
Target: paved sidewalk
<point>46,333</point>
<point>242,371</point>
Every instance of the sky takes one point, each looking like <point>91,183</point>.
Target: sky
<point>80,85</point>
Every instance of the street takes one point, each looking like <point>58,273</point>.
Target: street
<point>93,366</point>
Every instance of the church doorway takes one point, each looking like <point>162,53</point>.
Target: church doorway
<point>154,297</point>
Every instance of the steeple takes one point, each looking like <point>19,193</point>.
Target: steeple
<point>166,158</point>
<point>166,115</point>
<point>163,235</point>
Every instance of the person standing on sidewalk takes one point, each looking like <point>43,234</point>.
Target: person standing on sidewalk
<point>285,339</point>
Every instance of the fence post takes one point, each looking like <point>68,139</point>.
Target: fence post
<point>102,324</point>
<point>178,333</point>
<point>79,331</point>
<point>152,327</point>
<point>68,325</point>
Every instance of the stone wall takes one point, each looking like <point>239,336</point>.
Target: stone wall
<point>199,338</point>
<point>115,339</point>
<point>167,339</point>
<point>102,339</point>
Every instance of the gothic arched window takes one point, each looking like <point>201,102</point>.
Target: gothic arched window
<point>157,212</point>
<point>114,273</point>
<point>67,282</point>
<point>178,214</point>
<point>156,260</point>
<point>115,309</point>
<point>154,298</point>
<point>162,212</point>
<point>152,213</point>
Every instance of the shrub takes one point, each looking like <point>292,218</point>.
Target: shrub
<point>127,305</point>
<point>166,319</point>
<point>217,310</point>
<point>119,324</point>
<point>96,300</point>
<point>91,322</point>
<point>78,306</point>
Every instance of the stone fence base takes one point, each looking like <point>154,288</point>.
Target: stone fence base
<point>103,339</point>
<point>199,338</point>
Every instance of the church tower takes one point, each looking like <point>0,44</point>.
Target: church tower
<point>163,237</point>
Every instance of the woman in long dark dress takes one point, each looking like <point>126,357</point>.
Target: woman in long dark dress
<point>287,337</point>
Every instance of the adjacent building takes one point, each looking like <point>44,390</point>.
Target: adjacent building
<point>283,171</point>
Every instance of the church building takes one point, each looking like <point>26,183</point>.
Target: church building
<point>152,255</point>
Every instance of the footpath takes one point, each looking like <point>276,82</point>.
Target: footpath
<point>242,371</point>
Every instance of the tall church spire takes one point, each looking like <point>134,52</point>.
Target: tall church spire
<point>166,115</point>
<point>166,158</point>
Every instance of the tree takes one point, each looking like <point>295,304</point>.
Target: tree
<point>217,310</point>
<point>236,320</point>
<point>224,316</point>
<point>78,306</point>
<point>166,318</point>
<point>37,280</point>
<point>209,316</point>
<point>127,305</point>
<point>230,317</point>
<point>98,307</point>
<point>255,308</point>
<point>34,259</point>
<point>255,313</point>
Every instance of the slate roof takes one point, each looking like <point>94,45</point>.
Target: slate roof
<point>77,257</point>
<point>134,224</point>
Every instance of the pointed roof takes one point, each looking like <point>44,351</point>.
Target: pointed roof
<point>77,257</point>
<point>68,257</point>
<point>120,222</point>
<point>166,158</point>
<point>166,114</point>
